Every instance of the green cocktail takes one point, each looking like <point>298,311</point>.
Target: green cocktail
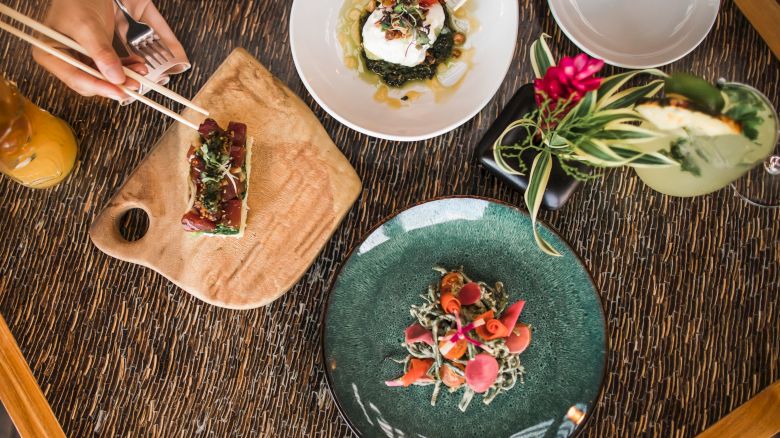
<point>714,149</point>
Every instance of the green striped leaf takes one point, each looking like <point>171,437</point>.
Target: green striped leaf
<point>627,98</point>
<point>619,115</point>
<point>498,157</point>
<point>584,107</point>
<point>611,85</point>
<point>598,153</point>
<point>557,142</point>
<point>537,183</point>
<point>621,133</point>
<point>643,159</point>
<point>541,56</point>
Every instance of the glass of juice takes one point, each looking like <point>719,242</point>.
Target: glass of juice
<point>37,149</point>
<point>711,162</point>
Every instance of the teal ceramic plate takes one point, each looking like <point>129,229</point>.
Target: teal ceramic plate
<point>368,310</point>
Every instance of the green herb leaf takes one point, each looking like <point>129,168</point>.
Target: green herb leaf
<point>748,118</point>
<point>680,152</point>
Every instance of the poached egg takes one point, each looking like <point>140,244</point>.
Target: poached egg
<point>403,51</point>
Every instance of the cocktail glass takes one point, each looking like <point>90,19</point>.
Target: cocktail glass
<point>711,163</point>
<point>37,149</point>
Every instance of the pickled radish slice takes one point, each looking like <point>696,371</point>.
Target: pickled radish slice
<point>481,372</point>
<point>509,318</point>
<point>469,294</point>
<point>520,338</point>
<point>417,333</point>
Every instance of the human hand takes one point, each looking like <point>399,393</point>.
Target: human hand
<point>91,24</point>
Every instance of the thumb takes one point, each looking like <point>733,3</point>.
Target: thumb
<point>99,48</point>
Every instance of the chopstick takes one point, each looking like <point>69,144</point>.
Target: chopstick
<point>81,66</point>
<point>62,39</point>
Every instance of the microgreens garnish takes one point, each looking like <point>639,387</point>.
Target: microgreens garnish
<point>405,18</point>
<point>217,163</point>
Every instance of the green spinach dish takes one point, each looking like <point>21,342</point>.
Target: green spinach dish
<point>407,40</point>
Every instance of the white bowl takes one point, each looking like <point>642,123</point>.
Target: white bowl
<point>638,33</point>
<point>350,99</point>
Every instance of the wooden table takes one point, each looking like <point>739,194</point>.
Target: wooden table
<point>691,287</point>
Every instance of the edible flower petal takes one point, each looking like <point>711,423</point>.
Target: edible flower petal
<point>449,303</point>
<point>485,316</point>
<point>450,280</point>
<point>453,349</point>
<point>418,368</point>
<point>469,294</point>
<point>492,329</point>
<point>568,81</point>
<point>519,339</point>
<point>450,377</point>
<point>509,318</point>
<point>586,66</point>
<point>481,372</point>
<point>417,333</point>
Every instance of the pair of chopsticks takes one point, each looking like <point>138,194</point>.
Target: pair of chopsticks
<point>64,40</point>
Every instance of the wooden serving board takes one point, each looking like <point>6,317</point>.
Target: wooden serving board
<point>301,186</point>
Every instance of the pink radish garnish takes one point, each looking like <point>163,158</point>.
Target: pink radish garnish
<point>519,339</point>
<point>481,372</point>
<point>417,333</point>
<point>509,318</point>
<point>470,293</point>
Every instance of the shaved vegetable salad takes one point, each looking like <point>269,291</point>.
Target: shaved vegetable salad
<point>466,338</point>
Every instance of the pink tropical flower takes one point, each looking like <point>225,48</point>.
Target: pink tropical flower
<point>570,80</point>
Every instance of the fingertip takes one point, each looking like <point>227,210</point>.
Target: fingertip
<point>100,88</point>
<point>140,68</point>
<point>132,84</point>
<point>113,73</point>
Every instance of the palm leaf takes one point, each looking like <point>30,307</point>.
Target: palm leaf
<point>537,183</point>
<point>541,56</point>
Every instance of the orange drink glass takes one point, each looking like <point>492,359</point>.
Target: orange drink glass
<point>37,149</point>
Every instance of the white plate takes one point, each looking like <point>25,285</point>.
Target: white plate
<point>348,98</point>
<point>636,33</point>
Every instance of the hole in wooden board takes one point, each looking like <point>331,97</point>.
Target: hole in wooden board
<point>134,224</point>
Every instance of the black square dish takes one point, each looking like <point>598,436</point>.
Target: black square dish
<point>560,186</point>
